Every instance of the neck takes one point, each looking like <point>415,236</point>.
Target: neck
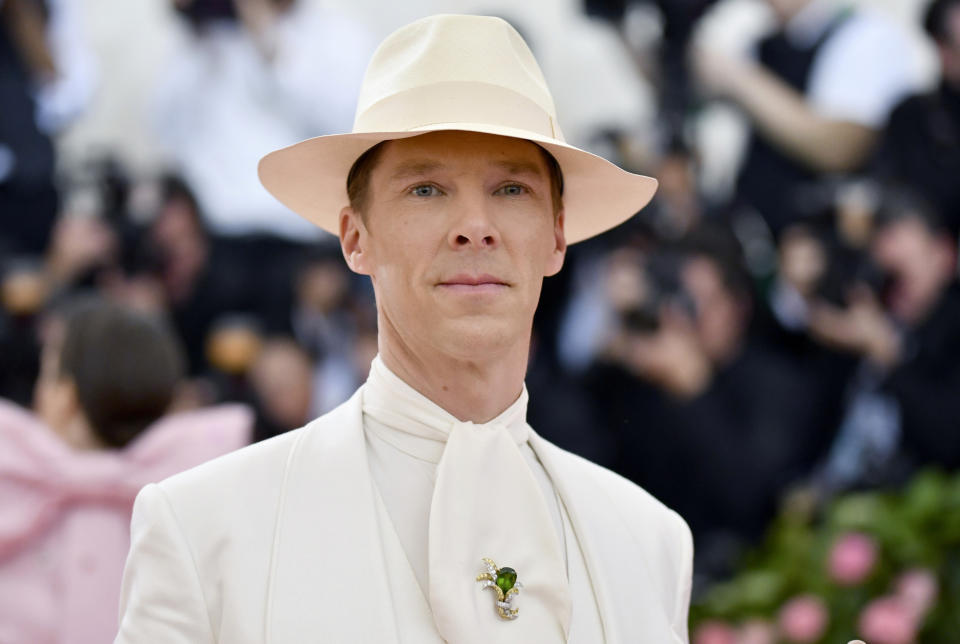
<point>471,389</point>
<point>78,435</point>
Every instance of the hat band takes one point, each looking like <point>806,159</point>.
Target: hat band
<point>454,102</point>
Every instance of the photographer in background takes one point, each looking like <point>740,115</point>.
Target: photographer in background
<point>250,76</point>
<point>46,80</point>
<point>902,406</point>
<point>921,148</point>
<point>817,96</point>
<point>687,389</point>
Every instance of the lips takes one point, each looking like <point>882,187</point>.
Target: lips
<point>473,283</point>
<point>473,280</point>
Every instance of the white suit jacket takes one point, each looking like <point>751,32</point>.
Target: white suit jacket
<point>281,542</point>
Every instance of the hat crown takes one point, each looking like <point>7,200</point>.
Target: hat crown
<point>451,57</point>
<point>459,73</point>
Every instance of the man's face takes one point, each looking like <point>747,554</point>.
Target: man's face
<point>949,49</point>
<point>720,319</point>
<point>458,234</point>
<point>787,9</point>
<point>920,263</point>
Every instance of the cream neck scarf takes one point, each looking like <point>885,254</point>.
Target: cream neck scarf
<point>486,504</point>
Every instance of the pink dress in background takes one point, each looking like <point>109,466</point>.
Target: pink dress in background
<point>65,517</point>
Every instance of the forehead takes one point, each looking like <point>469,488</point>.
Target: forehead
<point>460,152</point>
<point>908,228</point>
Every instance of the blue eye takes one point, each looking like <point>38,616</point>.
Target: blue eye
<point>512,190</point>
<point>424,191</point>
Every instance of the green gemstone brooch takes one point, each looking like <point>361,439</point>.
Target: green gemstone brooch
<point>504,583</point>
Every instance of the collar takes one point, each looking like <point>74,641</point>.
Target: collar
<point>402,416</point>
<point>810,23</point>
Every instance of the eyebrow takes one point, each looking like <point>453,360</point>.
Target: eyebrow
<point>521,167</point>
<point>413,169</point>
<point>416,168</point>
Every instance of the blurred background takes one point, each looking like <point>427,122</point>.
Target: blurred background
<point>772,348</point>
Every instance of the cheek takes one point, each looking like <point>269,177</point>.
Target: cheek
<point>400,280</point>
<point>536,245</point>
<point>397,252</point>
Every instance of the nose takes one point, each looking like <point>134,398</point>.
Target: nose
<point>473,225</point>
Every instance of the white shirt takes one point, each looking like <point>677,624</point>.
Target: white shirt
<point>864,68</point>
<point>222,106</point>
<point>404,466</point>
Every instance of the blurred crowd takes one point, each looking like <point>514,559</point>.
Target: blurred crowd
<point>790,337</point>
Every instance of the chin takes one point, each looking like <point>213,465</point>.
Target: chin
<point>478,338</point>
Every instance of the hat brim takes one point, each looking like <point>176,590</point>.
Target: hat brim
<point>310,178</point>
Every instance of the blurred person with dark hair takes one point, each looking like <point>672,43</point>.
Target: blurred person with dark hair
<point>70,471</point>
<point>81,252</point>
<point>321,317</point>
<point>198,282</point>
<point>46,79</point>
<point>282,379</point>
<point>678,20</point>
<point>812,263</point>
<point>817,96</point>
<point>329,314</point>
<point>23,291</point>
<point>902,407</point>
<point>687,388</point>
<point>921,148</point>
<point>250,76</point>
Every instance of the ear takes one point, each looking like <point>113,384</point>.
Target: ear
<point>354,241</point>
<point>560,247</point>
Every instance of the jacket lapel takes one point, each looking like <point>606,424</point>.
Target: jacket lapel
<point>624,580</point>
<point>329,580</point>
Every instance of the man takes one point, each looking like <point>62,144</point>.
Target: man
<point>273,69</point>
<point>818,94</point>
<point>901,405</point>
<point>690,387</point>
<point>424,509</point>
<point>921,147</point>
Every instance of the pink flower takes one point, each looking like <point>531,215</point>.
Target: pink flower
<point>757,631</point>
<point>888,620</point>
<point>918,589</point>
<point>803,619</point>
<point>714,632</point>
<point>852,558</point>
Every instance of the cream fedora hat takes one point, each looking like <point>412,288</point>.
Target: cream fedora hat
<point>453,72</point>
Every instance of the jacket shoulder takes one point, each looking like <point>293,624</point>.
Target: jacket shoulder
<point>248,483</point>
<point>231,473</point>
<point>227,507</point>
<point>633,521</point>
<point>631,499</point>
<point>216,526</point>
